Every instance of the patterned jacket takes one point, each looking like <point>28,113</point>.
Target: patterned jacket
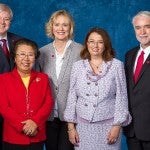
<point>98,97</point>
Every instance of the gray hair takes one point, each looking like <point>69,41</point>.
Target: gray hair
<point>4,7</point>
<point>141,13</point>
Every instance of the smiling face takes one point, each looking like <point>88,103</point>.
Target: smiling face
<point>142,30</point>
<point>5,20</point>
<point>95,45</point>
<point>24,59</point>
<point>61,28</point>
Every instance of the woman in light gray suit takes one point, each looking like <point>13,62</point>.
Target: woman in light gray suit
<point>56,60</point>
<point>97,105</point>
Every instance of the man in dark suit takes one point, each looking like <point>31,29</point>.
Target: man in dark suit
<point>6,62</point>
<point>137,66</point>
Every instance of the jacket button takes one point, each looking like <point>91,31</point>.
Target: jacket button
<point>85,104</point>
<point>94,105</point>
<point>88,83</point>
<point>96,84</point>
<point>95,94</point>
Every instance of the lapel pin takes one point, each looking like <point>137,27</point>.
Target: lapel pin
<point>148,61</point>
<point>37,79</point>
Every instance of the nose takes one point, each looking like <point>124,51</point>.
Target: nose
<point>143,31</point>
<point>96,43</point>
<point>26,56</point>
<point>61,27</point>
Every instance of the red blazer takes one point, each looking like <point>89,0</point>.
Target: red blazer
<point>18,104</point>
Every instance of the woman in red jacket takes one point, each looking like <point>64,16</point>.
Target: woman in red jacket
<point>25,101</point>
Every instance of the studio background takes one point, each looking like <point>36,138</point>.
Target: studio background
<point>114,16</point>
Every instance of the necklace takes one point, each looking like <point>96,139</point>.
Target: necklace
<point>94,65</point>
<point>97,66</point>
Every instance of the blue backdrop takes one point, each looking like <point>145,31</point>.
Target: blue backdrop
<point>115,16</point>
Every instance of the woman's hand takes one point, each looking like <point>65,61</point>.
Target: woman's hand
<point>73,134</point>
<point>113,134</point>
<point>30,127</point>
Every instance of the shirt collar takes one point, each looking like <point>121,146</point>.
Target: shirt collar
<point>4,37</point>
<point>146,50</point>
<point>67,45</point>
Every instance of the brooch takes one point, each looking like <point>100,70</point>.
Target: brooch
<point>37,79</point>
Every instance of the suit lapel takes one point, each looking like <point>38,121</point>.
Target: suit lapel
<point>3,56</point>
<point>11,45</point>
<point>131,67</point>
<point>53,64</point>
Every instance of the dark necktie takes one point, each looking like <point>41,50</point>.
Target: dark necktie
<point>139,66</point>
<point>5,49</point>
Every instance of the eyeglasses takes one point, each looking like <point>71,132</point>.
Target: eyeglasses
<point>92,43</point>
<point>6,19</point>
<point>23,55</point>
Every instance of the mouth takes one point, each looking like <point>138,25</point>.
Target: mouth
<point>26,64</point>
<point>2,26</point>
<point>61,33</point>
<point>95,50</point>
<point>143,36</point>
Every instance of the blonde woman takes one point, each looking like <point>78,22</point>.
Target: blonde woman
<point>56,60</point>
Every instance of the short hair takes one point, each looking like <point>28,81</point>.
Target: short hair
<point>108,53</point>
<point>49,24</point>
<point>4,7</point>
<point>25,42</point>
<point>141,13</point>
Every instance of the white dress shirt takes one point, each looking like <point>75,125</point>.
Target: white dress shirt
<point>59,62</point>
<point>146,53</point>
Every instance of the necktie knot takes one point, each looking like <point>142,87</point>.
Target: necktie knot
<point>142,53</point>
<point>3,40</point>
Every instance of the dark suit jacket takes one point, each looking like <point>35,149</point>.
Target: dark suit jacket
<point>5,66</point>
<point>139,97</point>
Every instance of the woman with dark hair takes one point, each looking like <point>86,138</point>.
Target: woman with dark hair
<point>25,100</point>
<point>97,105</point>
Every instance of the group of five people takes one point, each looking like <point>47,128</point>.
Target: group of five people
<point>70,95</point>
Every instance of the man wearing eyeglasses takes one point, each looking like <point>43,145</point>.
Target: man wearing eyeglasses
<point>7,41</point>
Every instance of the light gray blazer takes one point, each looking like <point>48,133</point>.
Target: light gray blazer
<point>60,86</point>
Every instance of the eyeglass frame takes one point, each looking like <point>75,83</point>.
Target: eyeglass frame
<point>92,43</point>
<point>23,55</point>
<point>6,19</point>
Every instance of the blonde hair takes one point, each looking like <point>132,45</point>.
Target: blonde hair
<point>49,24</point>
